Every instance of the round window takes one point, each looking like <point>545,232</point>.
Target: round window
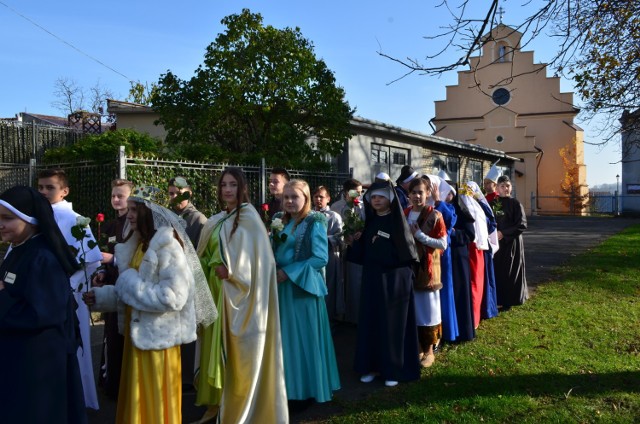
<point>501,96</point>
<point>499,139</point>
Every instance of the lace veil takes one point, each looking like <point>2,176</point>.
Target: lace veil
<point>206,312</point>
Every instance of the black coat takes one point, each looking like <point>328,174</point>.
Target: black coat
<point>39,373</point>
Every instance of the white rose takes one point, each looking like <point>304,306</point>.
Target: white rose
<point>277,224</point>
<point>83,221</point>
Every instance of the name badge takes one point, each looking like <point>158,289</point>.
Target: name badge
<point>383,234</point>
<point>9,278</point>
<point>112,239</point>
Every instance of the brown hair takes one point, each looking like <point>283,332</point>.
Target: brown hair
<point>422,180</point>
<point>119,182</point>
<point>321,188</point>
<point>281,171</point>
<point>55,172</point>
<point>144,224</point>
<point>301,185</point>
<point>242,195</point>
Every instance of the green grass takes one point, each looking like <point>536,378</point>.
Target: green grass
<point>570,354</point>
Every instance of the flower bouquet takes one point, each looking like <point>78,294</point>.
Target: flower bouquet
<point>352,221</point>
<point>277,226</point>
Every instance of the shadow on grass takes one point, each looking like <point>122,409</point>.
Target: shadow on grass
<point>443,389</point>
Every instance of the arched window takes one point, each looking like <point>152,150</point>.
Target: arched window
<point>503,52</point>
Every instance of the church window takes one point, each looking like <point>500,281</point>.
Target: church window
<point>501,96</point>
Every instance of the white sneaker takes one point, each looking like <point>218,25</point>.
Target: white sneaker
<point>367,378</point>
<point>390,383</point>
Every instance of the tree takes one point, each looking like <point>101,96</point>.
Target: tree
<point>71,97</point>
<point>260,92</point>
<point>142,93</point>
<point>598,48</point>
<point>577,198</point>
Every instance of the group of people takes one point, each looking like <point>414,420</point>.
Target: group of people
<point>240,306</point>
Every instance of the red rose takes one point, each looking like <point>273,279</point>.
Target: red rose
<point>265,207</point>
<point>356,201</point>
<point>100,217</point>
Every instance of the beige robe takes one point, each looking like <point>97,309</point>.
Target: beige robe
<point>254,388</point>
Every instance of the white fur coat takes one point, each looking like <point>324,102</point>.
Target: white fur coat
<point>160,293</point>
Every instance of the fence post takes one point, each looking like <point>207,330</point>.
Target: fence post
<point>263,189</point>
<point>34,138</point>
<point>122,163</point>
<point>533,200</point>
<point>32,171</point>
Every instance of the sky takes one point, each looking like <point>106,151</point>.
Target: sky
<point>112,43</point>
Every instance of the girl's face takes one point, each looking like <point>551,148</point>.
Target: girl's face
<point>419,195</point>
<point>13,229</point>
<point>321,199</point>
<point>119,196</point>
<point>504,189</point>
<point>294,200</point>
<point>132,215</point>
<point>229,191</point>
<point>380,204</point>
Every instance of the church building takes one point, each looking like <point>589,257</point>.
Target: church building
<point>507,102</point>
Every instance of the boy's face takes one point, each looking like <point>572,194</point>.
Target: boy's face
<point>321,199</point>
<point>173,193</point>
<point>504,189</point>
<point>51,189</point>
<point>489,186</point>
<point>119,196</point>
<point>276,184</point>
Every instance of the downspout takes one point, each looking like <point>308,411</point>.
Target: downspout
<point>539,157</point>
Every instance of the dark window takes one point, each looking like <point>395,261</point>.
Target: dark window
<point>501,96</point>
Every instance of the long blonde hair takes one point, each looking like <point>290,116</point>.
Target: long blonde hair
<point>304,188</point>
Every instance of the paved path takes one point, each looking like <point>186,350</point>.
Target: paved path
<point>549,242</point>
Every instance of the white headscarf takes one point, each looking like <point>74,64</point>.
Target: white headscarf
<point>444,188</point>
<point>479,196</point>
<point>468,196</point>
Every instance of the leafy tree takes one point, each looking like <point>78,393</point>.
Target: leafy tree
<point>105,147</point>
<point>576,198</point>
<point>260,92</point>
<point>598,48</point>
<point>142,93</point>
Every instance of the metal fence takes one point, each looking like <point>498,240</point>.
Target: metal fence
<point>203,178</point>
<point>90,183</point>
<point>595,204</point>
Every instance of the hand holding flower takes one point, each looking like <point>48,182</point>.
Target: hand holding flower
<point>89,298</point>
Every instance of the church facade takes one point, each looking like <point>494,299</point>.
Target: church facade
<point>505,101</point>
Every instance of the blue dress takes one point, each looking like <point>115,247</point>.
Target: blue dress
<point>447,301</point>
<point>310,366</point>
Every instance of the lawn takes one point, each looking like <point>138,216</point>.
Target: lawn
<point>570,354</point>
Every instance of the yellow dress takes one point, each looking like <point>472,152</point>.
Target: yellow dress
<point>151,381</point>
